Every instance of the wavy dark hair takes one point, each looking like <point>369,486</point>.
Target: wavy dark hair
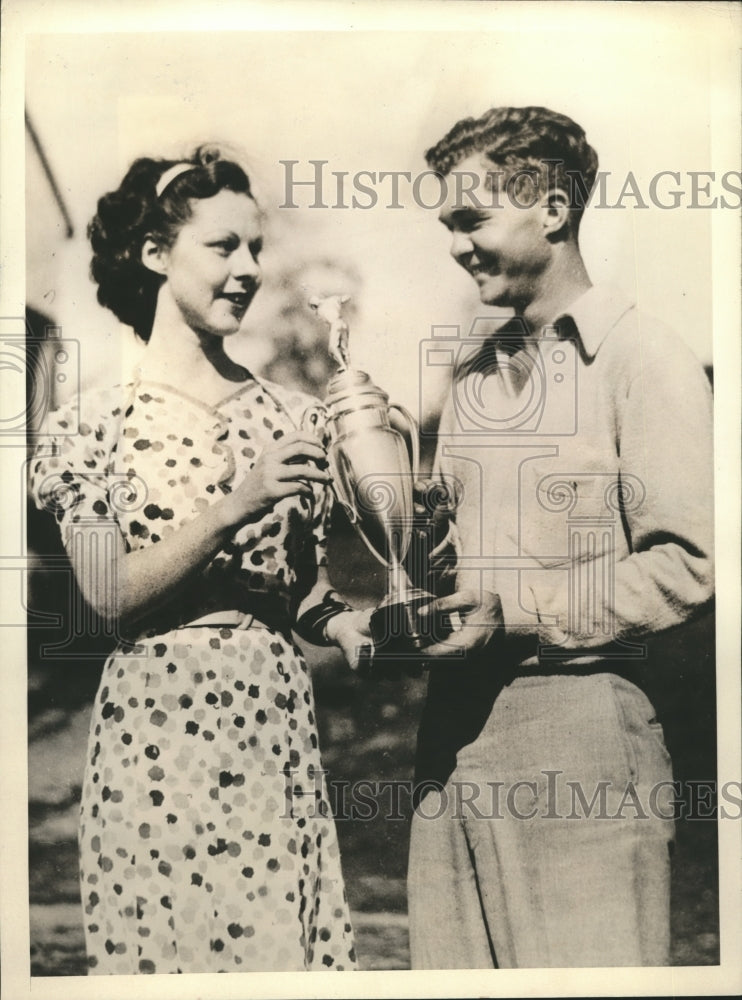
<point>549,146</point>
<point>134,212</point>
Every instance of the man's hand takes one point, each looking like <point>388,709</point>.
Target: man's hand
<point>474,617</point>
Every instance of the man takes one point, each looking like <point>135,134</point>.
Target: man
<point>578,441</point>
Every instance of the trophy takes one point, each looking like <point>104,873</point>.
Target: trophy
<point>374,458</point>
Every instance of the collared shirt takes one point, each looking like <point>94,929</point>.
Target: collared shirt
<point>583,463</point>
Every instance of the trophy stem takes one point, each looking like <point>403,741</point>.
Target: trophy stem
<point>400,587</point>
<point>399,581</point>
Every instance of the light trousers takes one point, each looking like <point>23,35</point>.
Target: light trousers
<point>548,845</point>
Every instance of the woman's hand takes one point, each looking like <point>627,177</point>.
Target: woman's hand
<point>351,633</point>
<point>145,578</point>
<point>287,469</point>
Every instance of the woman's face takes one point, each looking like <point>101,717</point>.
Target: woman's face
<point>212,267</point>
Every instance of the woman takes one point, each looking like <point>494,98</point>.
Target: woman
<point>206,840</point>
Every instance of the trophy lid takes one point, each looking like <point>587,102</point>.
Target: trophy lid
<point>352,389</point>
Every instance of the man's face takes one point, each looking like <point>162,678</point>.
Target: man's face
<point>500,243</point>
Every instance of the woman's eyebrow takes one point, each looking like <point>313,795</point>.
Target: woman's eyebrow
<point>221,233</point>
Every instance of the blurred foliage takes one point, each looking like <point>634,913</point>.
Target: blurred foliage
<point>300,357</point>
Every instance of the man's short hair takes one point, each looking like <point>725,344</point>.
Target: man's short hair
<point>549,146</point>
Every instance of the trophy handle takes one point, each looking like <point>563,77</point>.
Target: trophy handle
<point>406,424</point>
<point>309,420</point>
<point>311,417</point>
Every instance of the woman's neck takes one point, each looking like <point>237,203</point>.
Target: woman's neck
<point>187,359</point>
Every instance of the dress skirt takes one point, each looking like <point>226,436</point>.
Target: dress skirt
<point>207,843</point>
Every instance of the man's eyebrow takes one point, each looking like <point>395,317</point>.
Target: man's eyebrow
<point>462,215</point>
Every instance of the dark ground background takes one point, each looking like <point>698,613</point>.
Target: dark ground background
<point>367,731</point>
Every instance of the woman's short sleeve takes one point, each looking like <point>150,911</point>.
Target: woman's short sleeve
<point>70,471</point>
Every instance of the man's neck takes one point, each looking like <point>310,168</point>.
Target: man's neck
<point>558,288</point>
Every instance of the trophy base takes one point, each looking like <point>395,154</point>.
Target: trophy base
<point>396,626</point>
<point>400,635</point>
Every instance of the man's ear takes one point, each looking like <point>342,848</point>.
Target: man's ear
<point>556,213</point>
<point>154,256</point>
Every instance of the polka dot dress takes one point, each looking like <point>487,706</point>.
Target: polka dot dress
<point>206,839</point>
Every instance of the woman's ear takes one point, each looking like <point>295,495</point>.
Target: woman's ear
<point>154,256</point>
<point>557,213</point>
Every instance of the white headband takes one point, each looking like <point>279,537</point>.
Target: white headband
<point>170,174</point>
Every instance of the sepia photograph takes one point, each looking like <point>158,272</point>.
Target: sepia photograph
<point>370,456</point>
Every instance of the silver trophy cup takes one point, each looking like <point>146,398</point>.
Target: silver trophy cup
<point>374,458</point>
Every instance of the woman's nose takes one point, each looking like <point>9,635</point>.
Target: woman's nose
<point>244,264</point>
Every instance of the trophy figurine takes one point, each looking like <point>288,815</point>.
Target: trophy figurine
<point>374,457</point>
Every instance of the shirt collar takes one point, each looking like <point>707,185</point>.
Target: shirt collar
<point>595,313</point>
